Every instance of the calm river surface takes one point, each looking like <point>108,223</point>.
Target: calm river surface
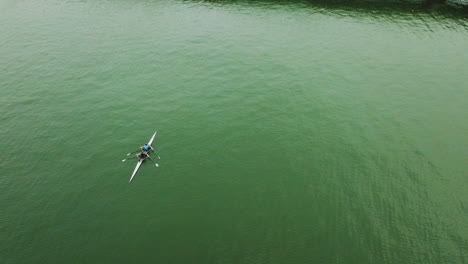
<point>288,133</point>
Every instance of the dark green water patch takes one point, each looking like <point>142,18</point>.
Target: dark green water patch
<point>439,8</point>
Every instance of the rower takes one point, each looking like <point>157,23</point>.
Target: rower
<point>143,155</point>
<point>147,148</point>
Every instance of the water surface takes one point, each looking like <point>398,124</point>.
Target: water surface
<point>288,133</point>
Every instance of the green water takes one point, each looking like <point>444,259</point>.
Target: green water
<point>288,133</point>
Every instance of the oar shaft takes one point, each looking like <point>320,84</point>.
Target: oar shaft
<point>155,153</point>
<point>129,158</point>
<point>128,154</point>
<point>157,165</point>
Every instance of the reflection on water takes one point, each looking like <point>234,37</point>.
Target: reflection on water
<point>409,13</point>
<point>453,9</point>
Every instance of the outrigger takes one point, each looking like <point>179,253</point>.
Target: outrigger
<point>142,156</point>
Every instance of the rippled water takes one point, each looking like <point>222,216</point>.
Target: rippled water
<point>289,132</point>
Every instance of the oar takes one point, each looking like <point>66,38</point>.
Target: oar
<point>155,153</point>
<point>128,154</point>
<point>155,164</point>
<point>129,158</point>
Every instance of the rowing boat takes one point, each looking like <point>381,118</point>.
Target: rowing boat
<point>140,161</point>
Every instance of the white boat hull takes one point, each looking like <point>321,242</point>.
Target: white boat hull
<point>140,161</point>
<point>136,169</point>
